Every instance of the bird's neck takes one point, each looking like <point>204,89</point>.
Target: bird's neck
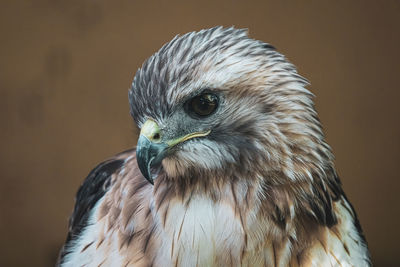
<point>257,205</point>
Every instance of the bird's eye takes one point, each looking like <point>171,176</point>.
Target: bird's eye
<point>203,105</point>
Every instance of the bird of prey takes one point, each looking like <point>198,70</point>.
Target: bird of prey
<point>231,168</point>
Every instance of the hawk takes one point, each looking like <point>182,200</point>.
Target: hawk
<point>231,168</point>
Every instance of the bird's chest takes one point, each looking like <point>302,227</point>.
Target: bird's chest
<point>202,233</point>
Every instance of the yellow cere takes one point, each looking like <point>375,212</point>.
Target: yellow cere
<point>151,130</point>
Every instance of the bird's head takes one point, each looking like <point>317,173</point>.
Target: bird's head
<point>217,101</point>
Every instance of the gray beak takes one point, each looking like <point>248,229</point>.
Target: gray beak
<point>149,156</point>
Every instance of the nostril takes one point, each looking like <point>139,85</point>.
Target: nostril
<point>156,136</point>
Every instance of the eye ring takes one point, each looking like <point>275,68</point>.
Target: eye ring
<point>202,105</point>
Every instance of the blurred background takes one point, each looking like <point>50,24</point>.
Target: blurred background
<point>65,71</point>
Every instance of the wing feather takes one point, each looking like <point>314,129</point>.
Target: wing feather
<point>93,188</point>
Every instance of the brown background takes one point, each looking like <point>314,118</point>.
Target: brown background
<point>66,66</point>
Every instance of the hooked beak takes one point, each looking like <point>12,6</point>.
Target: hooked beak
<point>152,149</point>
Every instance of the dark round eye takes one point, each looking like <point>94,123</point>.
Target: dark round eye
<point>203,105</point>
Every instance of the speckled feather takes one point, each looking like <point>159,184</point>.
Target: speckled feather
<point>260,190</point>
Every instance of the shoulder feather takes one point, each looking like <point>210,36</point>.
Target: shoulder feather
<point>93,188</point>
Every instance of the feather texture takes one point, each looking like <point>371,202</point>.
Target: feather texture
<point>260,190</point>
